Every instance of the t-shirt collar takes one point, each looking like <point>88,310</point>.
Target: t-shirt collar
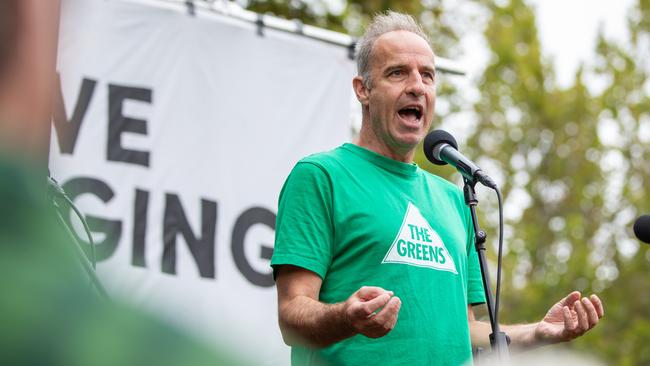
<point>398,167</point>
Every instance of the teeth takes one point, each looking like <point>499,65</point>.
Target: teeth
<point>417,110</point>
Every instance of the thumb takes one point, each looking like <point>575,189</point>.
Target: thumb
<point>570,299</point>
<point>366,293</point>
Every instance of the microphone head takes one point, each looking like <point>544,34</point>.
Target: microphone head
<point>642,228</point>
<point>435,138</point>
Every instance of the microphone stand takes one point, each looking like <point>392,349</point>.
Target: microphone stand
<point>498,340</point>
<point>57,193</point>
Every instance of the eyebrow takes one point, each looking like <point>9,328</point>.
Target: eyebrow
<point>401,66</point>
<point>430,69</point>
<point>394,67</point>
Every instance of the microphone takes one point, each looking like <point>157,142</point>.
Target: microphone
<point>642,228</point>
<point>440,148</point>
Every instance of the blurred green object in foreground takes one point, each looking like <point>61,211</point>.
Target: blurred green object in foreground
<point>49,313</point>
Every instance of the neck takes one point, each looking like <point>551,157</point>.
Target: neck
<point>369,140</point>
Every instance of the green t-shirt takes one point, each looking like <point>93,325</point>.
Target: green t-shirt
<point>357,218</point>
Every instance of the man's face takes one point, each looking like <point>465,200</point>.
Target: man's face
<point>401,98</point>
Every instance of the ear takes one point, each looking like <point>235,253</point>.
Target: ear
<point>360,90</point>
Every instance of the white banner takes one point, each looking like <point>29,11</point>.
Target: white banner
<point>173,134</point>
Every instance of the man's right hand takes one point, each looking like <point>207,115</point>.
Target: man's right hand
<point>372,311</point>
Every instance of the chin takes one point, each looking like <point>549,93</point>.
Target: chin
<point>409,141</point>
<point>413,138</point>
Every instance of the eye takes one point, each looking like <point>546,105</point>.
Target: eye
<point>396,72</point>
<point>429,76</point>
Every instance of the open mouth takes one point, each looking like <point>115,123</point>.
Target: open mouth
<point>411,113</point>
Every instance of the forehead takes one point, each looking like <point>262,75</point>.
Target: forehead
<point>401,46</point>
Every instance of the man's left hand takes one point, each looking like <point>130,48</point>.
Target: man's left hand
<point>570,318</point>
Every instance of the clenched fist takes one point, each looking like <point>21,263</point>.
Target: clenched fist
<point>372,311</point>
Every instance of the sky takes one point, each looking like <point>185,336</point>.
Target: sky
<point>568,29</point>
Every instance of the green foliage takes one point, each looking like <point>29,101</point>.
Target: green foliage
<point>575,156</point>
<point>574,162</point>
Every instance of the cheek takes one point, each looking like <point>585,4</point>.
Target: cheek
<point>380,104</point>
<point>432,96</point>
<point>431,107</point>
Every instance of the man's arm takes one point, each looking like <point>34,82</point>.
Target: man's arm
<point>371,311</point>
<point>568,319</point>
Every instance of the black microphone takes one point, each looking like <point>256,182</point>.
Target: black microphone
<point>440,148</point>
<point>642,228</point>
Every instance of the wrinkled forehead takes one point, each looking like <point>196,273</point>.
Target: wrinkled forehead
<point>401,46</point>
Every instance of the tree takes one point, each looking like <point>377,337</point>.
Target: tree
<point>624,109</point>
<point>576,168</point>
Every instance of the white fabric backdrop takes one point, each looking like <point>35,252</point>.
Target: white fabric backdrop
<point>202,112</point>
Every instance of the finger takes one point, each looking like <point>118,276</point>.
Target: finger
<point>600,310</point>
<point>583,321</point>
<point>370,292</point>
<point>592,315</point>
<point>569,322</point>
<point>364,309</point>
<point>390,309</point>
<point>570,299</point>
<point>387,317</point>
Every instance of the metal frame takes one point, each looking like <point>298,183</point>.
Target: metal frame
<point>220,8</point>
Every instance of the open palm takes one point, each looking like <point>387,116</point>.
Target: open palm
<point>569,318</point>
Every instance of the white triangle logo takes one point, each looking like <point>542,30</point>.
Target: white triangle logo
<point>417,244</point>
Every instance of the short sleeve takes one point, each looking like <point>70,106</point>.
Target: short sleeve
<point>475,292</point>
<point>304,230</point>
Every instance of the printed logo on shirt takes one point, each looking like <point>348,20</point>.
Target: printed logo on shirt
<point>417,244</point>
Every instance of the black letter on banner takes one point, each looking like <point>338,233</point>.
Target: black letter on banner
<point>67,131</point>
<point>118,123</point>
<point>112,229</point>
<point>250,217</point>
<point>139,228</point>
<point>202,248</point>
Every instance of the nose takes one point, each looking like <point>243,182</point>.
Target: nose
<point>415,86</point>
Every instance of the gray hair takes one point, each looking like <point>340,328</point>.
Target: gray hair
<point>381,24</point>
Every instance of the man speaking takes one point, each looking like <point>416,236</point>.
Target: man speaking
<point>374,258</point>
